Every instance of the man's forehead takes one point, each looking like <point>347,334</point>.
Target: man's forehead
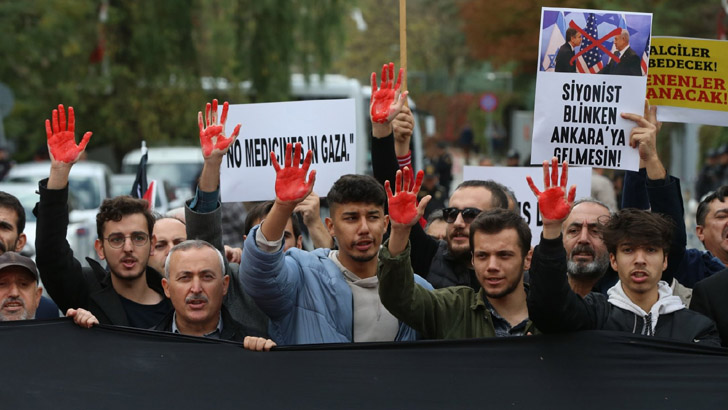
<point>358,208</point>
<point>170,227</point>
<point>10,213</point>
<point>471,196</point>
<point>588,212</point>
<point>181,259</point>
<point>717,205</point>
<point>507,239</point>
<point>127,223</point>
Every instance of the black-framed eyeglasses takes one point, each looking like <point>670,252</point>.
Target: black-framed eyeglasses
<point>451,214</point>
<point>117,240</point>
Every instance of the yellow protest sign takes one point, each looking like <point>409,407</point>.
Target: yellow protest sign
<point>688,79</point>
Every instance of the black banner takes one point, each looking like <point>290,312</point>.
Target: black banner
<point>57,365</point>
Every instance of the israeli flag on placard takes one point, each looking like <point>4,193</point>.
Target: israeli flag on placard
<point>556,40</point>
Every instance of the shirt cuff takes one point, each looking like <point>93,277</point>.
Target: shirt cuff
<point>204,202</point>
<point>405,160</point>
<point>264,244</point>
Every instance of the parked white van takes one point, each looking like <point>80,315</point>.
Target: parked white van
<point>178,166</point>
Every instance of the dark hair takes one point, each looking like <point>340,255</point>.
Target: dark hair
<point>496,220</point>
<point>257,213</point>
<point>637,227</point>
<point>356,188</point>
<point>113,209</point>
<point>261,210</point>
<point>10,202</point>
<point>435,215</point>
<point>704,205</point>
<point>570,32</point>
<point>498,196</point>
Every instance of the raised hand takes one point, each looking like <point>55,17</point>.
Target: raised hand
<point>212,132</point>
<point>644,135</point>
<point>291,185</point>
<point>403,208</point>
<point>61,139</point>
<point>553,202</point>
<point>386,101</point>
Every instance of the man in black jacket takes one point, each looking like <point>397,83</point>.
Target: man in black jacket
<point>566,52</point>
<point>638,243</point>
<point>446,262</point>
<point>129,293</point>
<point>628,63</point>
<point>709,299</point>
<point>195,282</point>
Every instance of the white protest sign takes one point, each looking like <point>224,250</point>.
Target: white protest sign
<point>577,114</point>
<point>327,127</point>
<point>515,179</point>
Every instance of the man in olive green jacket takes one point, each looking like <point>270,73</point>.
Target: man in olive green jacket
<point>500,240</point>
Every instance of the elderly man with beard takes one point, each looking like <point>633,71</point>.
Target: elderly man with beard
<point>588,259</point>
<point>19,290</point>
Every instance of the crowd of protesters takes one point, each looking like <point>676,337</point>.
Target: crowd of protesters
<point>398,258</point>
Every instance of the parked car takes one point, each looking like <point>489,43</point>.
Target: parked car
<point>179,166</point>
<point>89,184</point>
<point>121,185</point>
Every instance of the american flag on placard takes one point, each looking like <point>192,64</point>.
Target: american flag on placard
<point>591,61</point>
<point>645,57</point>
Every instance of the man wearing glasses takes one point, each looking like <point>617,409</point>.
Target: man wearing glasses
<point>129,293</point>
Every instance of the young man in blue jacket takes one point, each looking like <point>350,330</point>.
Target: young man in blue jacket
<point>324,296</point>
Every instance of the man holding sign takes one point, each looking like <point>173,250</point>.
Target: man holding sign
<point>638,243</point>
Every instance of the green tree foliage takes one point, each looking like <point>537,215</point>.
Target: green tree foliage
<point>435,43</point>
<point>148,83</point>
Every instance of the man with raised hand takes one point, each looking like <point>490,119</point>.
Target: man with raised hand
<point>203,213</point>
<point>501,242</point>
<point>653,188</point>
<point>638,243</point>
<point>324,296</point>
<point>129,293</point>
<point>442,262</point>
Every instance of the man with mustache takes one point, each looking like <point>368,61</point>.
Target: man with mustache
<point>19,290</point>
<point>195,282</point>
<point>13,239</point>
<point>587,255</point>
<point>640,302</point>
<point>129,293</point>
